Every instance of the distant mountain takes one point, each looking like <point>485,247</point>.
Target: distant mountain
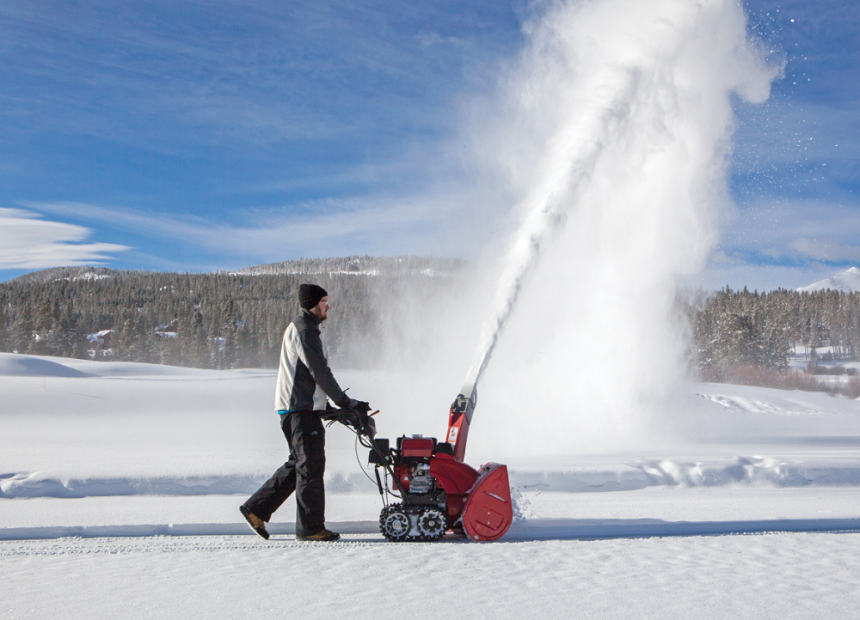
<point>428,266</point>
<point>431,266</point>
<point>68,273</point>
<point>847,281</point>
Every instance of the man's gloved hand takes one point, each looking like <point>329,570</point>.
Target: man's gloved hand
<point>365,423</point>
<point>362,407</point>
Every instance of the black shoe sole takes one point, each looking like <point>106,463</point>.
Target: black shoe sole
<point>331,538</point>
<point>260,531</point>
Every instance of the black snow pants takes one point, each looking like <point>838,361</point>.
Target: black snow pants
<point>303,473</point>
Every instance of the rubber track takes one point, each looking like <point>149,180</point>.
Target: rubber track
<point>411,510</point>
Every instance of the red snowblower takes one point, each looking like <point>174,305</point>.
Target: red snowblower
<point>438,492</point>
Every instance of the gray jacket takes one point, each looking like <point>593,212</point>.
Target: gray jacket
<point>304,378</point>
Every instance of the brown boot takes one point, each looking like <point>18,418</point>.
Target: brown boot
<point>323,535</point>
<point>256,523</point>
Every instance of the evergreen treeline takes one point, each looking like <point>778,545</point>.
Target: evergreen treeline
<point>201,320</point>
<point>237,320</point>
<point>762,329</point>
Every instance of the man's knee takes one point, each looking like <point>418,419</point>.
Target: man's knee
<point>308,444</point>
<point>310,460</point>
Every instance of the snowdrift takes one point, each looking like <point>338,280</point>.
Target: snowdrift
<point>585,478</point>
<point>26,366</point>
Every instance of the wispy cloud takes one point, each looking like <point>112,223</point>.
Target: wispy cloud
<point>785,244</point>
<point>795,231</point>
<point>352,226</point>
<point>430,39</point>
<point>831,250</point>
<point>28,242</point>
<point>143,72</point>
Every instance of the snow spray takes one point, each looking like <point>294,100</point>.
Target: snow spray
<point>616,136</point>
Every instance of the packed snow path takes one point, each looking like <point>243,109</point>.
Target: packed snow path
<point>779,576</point>
<point>663,512</point>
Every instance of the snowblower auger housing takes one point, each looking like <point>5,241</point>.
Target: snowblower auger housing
<point>438,492</point>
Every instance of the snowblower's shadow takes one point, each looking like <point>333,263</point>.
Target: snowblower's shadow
<point>592,529</point>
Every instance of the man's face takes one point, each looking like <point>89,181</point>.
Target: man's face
<point>322,308</point>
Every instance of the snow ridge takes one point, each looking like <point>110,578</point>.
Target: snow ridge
<point>761,471</point>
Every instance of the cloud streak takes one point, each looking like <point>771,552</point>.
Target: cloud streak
<point>785,243</point>
<point>374,225</point>
<point>831,250</point>
<point>27,242</point>
<point>796,232</point>
<point>144,72</point>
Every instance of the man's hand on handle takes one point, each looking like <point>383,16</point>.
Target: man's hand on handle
<point>356,416</point>
<point>365,423</point>
<point>361,406</point>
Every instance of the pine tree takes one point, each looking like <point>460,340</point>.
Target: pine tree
<point>198,355</point>
<point>80,346</point>
<point>4,335</point>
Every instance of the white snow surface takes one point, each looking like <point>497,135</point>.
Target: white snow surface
<point>120,483</point>
<point>847,281</point>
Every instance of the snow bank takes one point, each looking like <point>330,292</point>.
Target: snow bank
<point>643,473</point>
<point>12,365</point>
<point>757,471</point>
<point>776,402</point>
<point>15,365</point>
<point>37,484</point>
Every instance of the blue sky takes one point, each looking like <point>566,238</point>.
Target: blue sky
<point>193,136</point>
<point>796,170</point>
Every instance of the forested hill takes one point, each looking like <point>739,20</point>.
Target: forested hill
<point>70,273</point>
<point>214,320</point>
<point>761,329</point>
<point>361,265</point>
<point>433,266</point>
<point>236,319</point>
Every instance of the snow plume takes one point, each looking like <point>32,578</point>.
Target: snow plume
<point>615,140</point>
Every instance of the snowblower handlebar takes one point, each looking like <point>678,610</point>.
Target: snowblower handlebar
<point>361,422</point>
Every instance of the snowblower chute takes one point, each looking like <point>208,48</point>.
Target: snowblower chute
<point>438,492</point>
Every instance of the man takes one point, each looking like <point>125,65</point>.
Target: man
<point>305,382</point>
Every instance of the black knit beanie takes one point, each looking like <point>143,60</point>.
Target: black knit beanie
<point>310,295</point>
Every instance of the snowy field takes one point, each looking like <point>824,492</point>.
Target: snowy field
<point>119,488</point>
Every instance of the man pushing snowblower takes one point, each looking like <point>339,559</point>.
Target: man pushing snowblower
<point>305,382</point>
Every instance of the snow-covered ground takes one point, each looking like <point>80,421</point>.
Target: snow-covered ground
<point>119,488</point>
